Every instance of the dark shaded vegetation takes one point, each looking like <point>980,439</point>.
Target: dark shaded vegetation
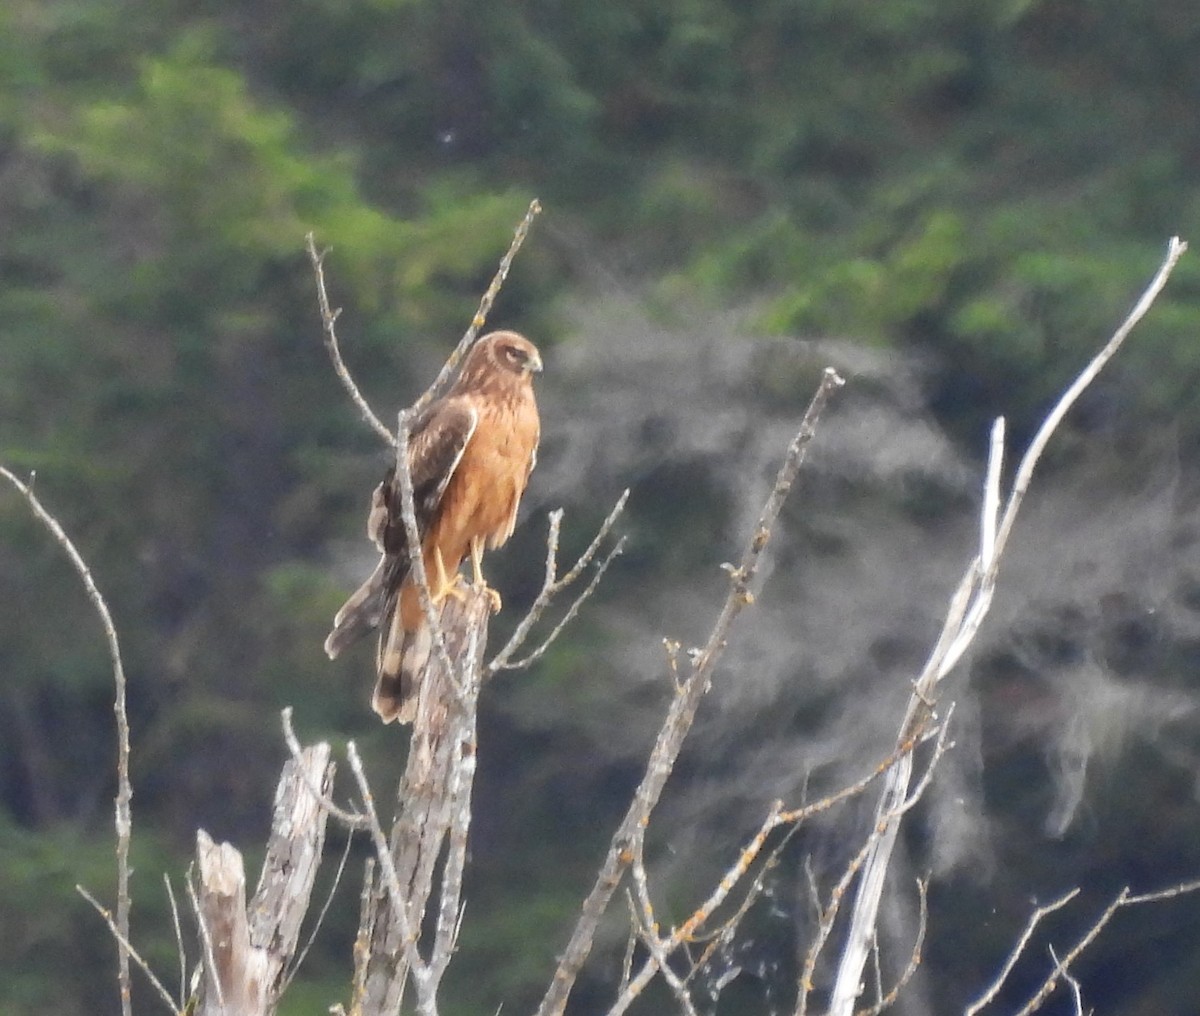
<point>978,188</point>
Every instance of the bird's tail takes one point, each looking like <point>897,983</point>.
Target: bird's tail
<point>362,612</point>
<point>403,656</point>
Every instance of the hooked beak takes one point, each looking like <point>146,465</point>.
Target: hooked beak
<point>534,364</point>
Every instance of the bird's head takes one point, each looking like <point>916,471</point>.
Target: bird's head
<point>509,352</point>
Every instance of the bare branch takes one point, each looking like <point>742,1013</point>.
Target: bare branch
<point>328,320</point>
<point>1123,899</point>
<point>969,606</point>
<point>178,940</point>
<point>350,819</point>
<point>128,947</point>
<point>416,555</point>
<point>914,959</point>
<point>1073,982</point>
<point>124,813</point>
<point>680,715</point>
<point>572,611</point>
<point>552,585</point>
<point>390,879</point>
<point>290,974</point>
<point>879,830</point>
<point>485,308</point>
<point>1010,962</point>
<point>210,959</point>
<point>1060,967</point>
<point>1176,248</point>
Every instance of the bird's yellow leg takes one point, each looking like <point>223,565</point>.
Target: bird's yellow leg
<point>443,585</point>
<point>477,574</point>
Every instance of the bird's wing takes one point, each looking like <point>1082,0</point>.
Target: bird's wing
<point>435,447</point>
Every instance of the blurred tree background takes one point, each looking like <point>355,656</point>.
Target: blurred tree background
<point>977,187</point>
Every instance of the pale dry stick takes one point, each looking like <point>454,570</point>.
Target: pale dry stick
<point>680,715</point>
<point>914,959</point>
<point>210,956</point>
<point>458,793</point>
<point>408,934</point>
<point>552,585</point>
<point>178,940</point>
<point>1176,248</point>
<point>627,960</point>
<point>571,612</point>
<point>350,819</point>
<point>416,555</point>
<point>1123,899</point>
<point>969,607</point>
<point>677,984</point>
<point>123,803</point>
<point>485,308</point>
<point>1072,982</point>
<point>128,946</point>
<point>290,975</point>
<point>362,938</point>
<point>654,945</point>
<point>829,913</point>
<point>877,968</point>
<point>328,321</point>
<point>691,929</point>
<point>1014,955</point>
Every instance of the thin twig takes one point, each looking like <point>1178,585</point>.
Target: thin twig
<point>328,320</point>
<point>884,823</point>
<point>178,940</point>
<point>552,585</point>
<point>210,956</point>
<point>572,611</point>
<point>290,974</point>
<point>391,881</point>
<point>1123,899</point>
<point>416,555</point>
<point>128,947</point>
<point>914,959</point>
<point>1072,981</point>
<point>124,812</point>
<point>485,308</point>
<point>993,989</point>
<point>350,819</point>
<point>642,915</point>
<point>680,715</point>
<point>1176,248</point>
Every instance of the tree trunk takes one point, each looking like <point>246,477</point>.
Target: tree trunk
<point>247,950</point>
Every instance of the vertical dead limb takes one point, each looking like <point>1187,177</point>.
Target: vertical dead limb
<point>680,716</point>
<point>248,948</point>
<point>968,607</point>
<point>123,803</point>
<point>433,817</point>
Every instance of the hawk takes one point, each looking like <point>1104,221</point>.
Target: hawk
<point>470,454</point>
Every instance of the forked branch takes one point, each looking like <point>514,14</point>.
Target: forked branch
<point>968,607</point>
<point>681,713</point>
